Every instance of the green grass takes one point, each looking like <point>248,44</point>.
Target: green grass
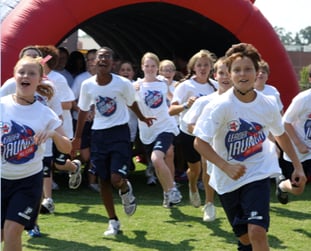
<point>80,220</point>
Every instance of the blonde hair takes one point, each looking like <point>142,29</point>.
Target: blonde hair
<point>151,56</point>
<point>201,54</point>
<point>43,89</point>
<point>220,61</point>
<point>264,66</point>
<point>167,62</point>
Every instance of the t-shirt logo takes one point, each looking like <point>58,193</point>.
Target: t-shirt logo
<point>244,139</point>
<point>153,99</point>
<point>307,128</point>
<point>18,144</point>
<point>106,106</point>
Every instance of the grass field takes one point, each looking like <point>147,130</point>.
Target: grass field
<point>80,220</point>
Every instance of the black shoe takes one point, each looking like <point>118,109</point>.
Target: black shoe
<point>282,196</point>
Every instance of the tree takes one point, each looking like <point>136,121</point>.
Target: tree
<point>304,78</point>
<point>303,37</point>
<point>306,35</point>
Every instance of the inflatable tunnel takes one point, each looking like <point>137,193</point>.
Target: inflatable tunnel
<point>170,28</point>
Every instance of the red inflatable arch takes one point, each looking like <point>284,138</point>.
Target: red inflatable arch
<point>48,21</point>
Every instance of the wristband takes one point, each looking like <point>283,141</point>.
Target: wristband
<point>185,106</point>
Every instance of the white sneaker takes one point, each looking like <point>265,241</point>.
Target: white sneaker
<point>165,200</point>
<point>152,180</point>
<point>209,212</point>
<point>55,186</point>
<point>75,178</point>
<point>174,196</point>
<point>195,199</point>
<point>128,200</point>
<point>47,206</point>
<point>113,228</point>
<point>95,187</point>
<point>149,170</point>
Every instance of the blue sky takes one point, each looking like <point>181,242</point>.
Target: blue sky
<point>292,15</point>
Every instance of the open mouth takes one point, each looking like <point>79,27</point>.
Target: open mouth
<point>25,83</point>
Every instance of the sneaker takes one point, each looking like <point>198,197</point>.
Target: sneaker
<point>209,212</point>
<point>149,170</point>
<point>195,199</point>
<point>113,228</point>
<point>174,196</point>
<point>95,187</point>
<point>165,203</point>
<point>152,180</point>
<point>128,200</point>
<point>55,185</point>
<point>35,232</point>
<point>47,206</point>
<point>282,196</point>
<point>76,177</point>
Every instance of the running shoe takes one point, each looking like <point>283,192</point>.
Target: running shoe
<point>281,196</point>
<point>47,206</point>
<point>113,228</point>
<point>209,212</point>
<point>35,232</point>
<point>128,200</point>
<point>75,178</point>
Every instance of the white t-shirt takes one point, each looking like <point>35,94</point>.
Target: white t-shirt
<point>111,101</point>
<point>192,115</point>
<point>152,101</point>
<point>54,103</point>
<point>8,87</point>
<point>76,86</point>
<point>65,94</point>
<point>20,156</point>
<point>187,89</point>
<point>272,91</point>
<point>299,115</point>
<point>239,134</point>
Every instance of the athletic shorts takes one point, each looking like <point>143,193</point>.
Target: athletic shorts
<point>58,157</point>
<point>288,168</point>
<point>248,205</point>
<point>191,155</point>
<point>162,143</point>
<point>111,151</point>
<point>20,200</point>
<point>47,166</point>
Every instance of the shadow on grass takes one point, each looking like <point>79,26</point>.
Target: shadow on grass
<point>178,216</point>
<point>49,244</point>
<point>284,212</point>
<point>140,241</point>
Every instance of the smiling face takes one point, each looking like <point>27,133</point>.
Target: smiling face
<point>150,67</point>
<point>243,73</point>
<point>28,75</point>
<point>126,70</point>
<point>104,60</point>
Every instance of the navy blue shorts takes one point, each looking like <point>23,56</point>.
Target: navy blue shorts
<point>47,166</point>
<point>248,205</point>
<point>288,168</point>
<point>111,151</point>
<point>191,155</point>
<point>162,143</point>
<point>20,200</point>
<point>59,157</point>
